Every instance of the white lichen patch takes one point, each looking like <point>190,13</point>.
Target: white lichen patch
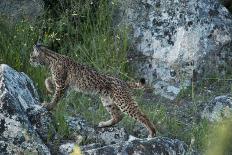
<point>67,148</point>
<point>12,126</point>
<point>185,48</point>
<point>221,37</point>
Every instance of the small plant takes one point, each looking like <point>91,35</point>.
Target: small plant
<point>220,138</point>
<point>60,122</point>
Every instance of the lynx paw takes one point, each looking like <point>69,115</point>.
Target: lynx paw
<point>152,135</point>
<point>101,124</point>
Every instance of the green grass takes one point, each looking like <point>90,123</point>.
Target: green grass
<point>16,42</point>
<point>86,34</point>
<point>61,124</point>
<point>199,133</point>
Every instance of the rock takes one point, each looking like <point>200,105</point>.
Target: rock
<point>17,131</point>
<point>104,136</point>
<point>176,42</point>
<point>218,108</point>
<point>67,148</point>
<point>112,135</point>
<point>23,9</point>
<point>92,136</point>
<point>158,145</point>
<point>43,124</point>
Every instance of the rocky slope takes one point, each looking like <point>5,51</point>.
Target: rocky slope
<point>26,127</point>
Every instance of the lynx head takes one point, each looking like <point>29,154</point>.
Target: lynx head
<point>37,56</point>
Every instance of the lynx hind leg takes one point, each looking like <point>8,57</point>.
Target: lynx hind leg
<point>114,111</point>
<point>142,118</point>
<point>134,112</point>
<point>127,105</point>
<point>49,84</point>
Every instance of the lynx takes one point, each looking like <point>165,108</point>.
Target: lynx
<point>114,93</point>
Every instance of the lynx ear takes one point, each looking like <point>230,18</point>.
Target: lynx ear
<point>36,50</point>
<point>38,45</point>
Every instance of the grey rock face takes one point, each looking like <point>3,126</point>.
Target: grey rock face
<point>17,97</point>
<point>104,136</point>
<point>67,148</point>
<point>112,135</point>
<point>154,146</point>
<point>177,41</point>
<point>218,108</point>
<point>18,9</point>
<point>82,131</point>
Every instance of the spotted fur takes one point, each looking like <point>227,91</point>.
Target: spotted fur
<point>114,93</point>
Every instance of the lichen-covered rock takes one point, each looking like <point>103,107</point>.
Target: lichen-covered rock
<point>23,9</point>
<point>67,148</point>
<point>90,135</point>
<point>154,146</point>
<point>17,130</point>
<point>24,125</point>
<point>218,108</point>
<point>112,135</point>
<point>104,136</point>
<point>177,41</point>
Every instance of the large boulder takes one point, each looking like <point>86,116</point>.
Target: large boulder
<point>21,9</point>
<point>177,41</point>
<point>17,132</point>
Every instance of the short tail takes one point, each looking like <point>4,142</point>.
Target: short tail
<point>137,85</point>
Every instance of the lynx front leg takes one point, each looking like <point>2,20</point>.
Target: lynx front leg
<point>114,111</point>
<point>56,97</point>
<point>49,83</point>
<point>60,86</point>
